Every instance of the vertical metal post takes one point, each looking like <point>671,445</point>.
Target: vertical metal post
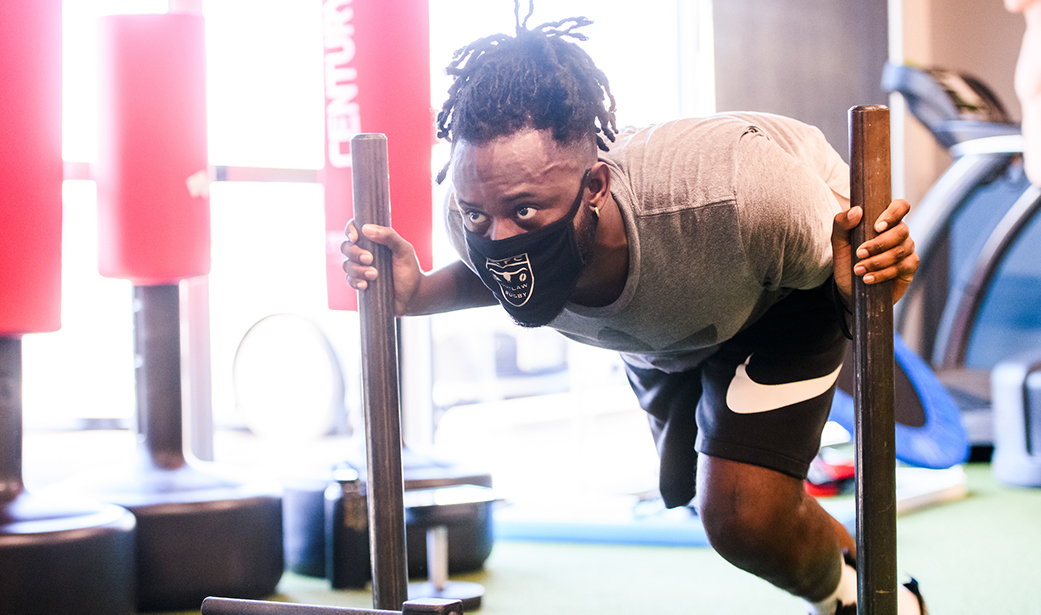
<point>875,429</point>
<point>157,346</point>
<point>10,420</point>
<point>371,190</point>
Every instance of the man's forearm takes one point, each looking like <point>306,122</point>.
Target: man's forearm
<point>453,287</point>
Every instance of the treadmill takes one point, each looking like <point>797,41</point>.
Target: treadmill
<point>976,300</point>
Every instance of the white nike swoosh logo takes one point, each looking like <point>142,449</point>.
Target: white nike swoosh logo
<point>746,396</point>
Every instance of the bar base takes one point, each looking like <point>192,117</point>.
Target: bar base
<point>469,594</point>
<point>200,532</point>
<point>63,555</point>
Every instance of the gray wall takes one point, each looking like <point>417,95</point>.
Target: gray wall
<point>978,37</point>
<point>807,59</point>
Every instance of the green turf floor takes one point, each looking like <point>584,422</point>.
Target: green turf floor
<point>980,555</point>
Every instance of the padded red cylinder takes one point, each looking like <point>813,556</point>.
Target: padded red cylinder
<point>151,170</point>
<point>30,167</point>
<point>377,79</point>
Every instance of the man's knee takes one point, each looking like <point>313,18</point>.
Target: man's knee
<point>741,525</point>
<point>759,520</point>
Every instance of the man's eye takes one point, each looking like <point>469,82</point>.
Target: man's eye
<point>475,217</point>
<point>525,213</point>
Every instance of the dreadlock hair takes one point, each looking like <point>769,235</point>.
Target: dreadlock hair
<point>535,79</point>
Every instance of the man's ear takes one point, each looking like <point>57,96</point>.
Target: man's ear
<point>599,184</point>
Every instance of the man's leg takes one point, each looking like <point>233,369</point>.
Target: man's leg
<point>764,522</point>
<point>766,394</point>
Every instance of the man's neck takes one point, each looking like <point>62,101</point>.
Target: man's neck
<point>605,276</point>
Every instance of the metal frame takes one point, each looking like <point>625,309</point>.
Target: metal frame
<point>960,315</point>
<point>381,403</point>
<point>231,606</point>
<point>873,362</point>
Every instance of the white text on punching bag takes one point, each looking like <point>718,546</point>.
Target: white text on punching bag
<point>342,118</point>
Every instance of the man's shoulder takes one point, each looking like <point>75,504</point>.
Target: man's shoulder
<point>695,132</point>
<point>689,144</point>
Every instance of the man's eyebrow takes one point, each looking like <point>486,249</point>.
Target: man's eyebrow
<point>520,196</point>
<point>524,195</point>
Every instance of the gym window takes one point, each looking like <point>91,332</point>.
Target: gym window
<point>265,105</point>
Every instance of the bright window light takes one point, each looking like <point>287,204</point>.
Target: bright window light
<point>265,109</point>
<point>265,97</point>
<point>80,69</point>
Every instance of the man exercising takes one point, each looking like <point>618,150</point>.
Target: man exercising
<point>712,253</point>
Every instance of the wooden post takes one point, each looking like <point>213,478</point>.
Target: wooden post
<point>875,429</point>
<point>385,483</point>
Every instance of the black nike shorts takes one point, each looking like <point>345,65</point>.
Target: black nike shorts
<point>762,398</point>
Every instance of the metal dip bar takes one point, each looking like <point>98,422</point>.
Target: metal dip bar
<point>231,606</point>
<point>371,184</point>
<point>874,426</point>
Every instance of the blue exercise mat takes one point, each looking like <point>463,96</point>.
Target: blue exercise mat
<point>929,430</point>
<point>678,527</point>
<point>649,523</point>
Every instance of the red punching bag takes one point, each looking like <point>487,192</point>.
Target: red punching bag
<point>151,171</point>
<point>30,167</point>
<point>377,79</point>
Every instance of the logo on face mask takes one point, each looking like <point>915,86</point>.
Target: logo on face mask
<point>514,276</point>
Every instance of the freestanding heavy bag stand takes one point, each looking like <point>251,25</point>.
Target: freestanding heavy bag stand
<point>200,529</point>
<point>57,554</point>
<point>875,427</point>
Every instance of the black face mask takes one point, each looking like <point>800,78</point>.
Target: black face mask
<point>532,274</point>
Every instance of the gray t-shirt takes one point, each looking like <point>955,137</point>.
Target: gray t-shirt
<point>724,216</point>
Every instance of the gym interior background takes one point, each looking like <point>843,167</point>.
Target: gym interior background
<point>553,422</point>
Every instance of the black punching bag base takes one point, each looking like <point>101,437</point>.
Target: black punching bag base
<point>66,555</point>
<point>200,532</point>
